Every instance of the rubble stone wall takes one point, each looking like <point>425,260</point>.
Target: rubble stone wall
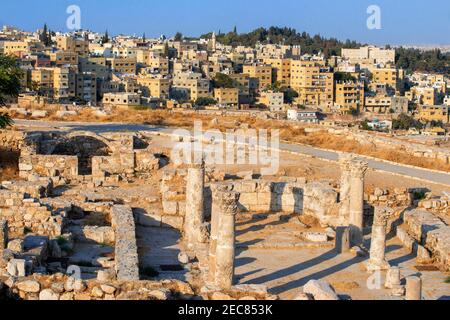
<point>11,140</point>
<point>126,255</point>
<point>25,214</point>
<point>321,201</point>
<point>415,149</point>
<point>48,166</point>
<point>430,232</point>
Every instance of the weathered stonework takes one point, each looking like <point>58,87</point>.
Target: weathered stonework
<point>424,228</point>
<point>225,249</point>
<point>377,259</point>
<point>194,217</point>
<point>126,255</point>
<point>356,212</point>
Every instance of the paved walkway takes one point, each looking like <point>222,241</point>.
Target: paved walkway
<point>424,174</point>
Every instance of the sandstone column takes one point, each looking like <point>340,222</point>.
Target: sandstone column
<point>344,193</point>
<point>356,212</point>
<point>377,259</point>
<point>393,281</point>
<point>413,288</point>
<point>227,208</point>
<point>194,217</point>
<point>342,240</point>
<point>216,190</point>
<point>3,234</point>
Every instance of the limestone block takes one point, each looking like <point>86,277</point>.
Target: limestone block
<point>29,286</point>
<point>173,221</point>
<point>320,290</point>
<point>170,207</point>
<point>49,295</point>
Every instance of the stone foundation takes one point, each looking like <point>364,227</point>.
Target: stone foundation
<point>126,255</point>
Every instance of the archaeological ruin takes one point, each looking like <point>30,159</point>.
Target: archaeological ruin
<point>95,215</point>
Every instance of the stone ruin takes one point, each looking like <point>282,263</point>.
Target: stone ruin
<point>75,156</point>
<point>64,206</point>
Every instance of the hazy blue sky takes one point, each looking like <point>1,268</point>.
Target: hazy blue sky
<point>403,21</point>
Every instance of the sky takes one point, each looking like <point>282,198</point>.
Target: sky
<point>403,22</point>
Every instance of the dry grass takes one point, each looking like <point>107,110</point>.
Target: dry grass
<point>288,132</point>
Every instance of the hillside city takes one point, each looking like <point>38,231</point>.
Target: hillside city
<point>88,68</point>
<point>260,166</point>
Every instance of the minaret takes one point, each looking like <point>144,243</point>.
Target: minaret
<point>213,41</point>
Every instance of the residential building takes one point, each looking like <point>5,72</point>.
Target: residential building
<point>349,95</point>
<point>281,71</point>
<point>260,76</point>
<point>123,65</point>
<point>305,116</point>
<point>155,87</point>
<point>274,101</point>
<point>314,83</point>
<point>369,54</point>
<point>79,46</point>
<point>121,99</point>
<point>227,96</point>
<point>434,113</point>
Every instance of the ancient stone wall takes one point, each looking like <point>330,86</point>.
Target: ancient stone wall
<point>25,214</point>
<point>321,201</point>
<point>428,231</point>
<point>62,287</point>
<point>392,198</point>
<point>48,166</point>
<point>415,149</point>
<point>270,196</point>
<point>11,140</point>
<point>126,255</point>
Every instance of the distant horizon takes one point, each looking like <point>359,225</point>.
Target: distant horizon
<point>421,45</point>
<point>403,23</point>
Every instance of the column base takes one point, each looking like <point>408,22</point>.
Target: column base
<point>372,266</point>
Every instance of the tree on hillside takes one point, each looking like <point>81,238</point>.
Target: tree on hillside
<point>178,36</point>
<point>223,81</point>
<point>10,76</point>
<point>405,122</point>
<point>46,36</point>
<point>205,101</point>
<point>105,38</point>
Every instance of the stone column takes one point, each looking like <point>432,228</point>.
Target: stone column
<point>377,259</point>
<point>216,190</point>
<point>356,212</point>
<point>3,235</point>
<point>393,281</point>
<point>413,288</point>
<point>342,240</point>
<point>344,192</point>
<point>194,217</point>
<point>225,250</point>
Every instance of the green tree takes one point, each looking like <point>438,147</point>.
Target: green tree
<point>405,122</point>
<point>166,50</point>
<point>105,38</point>
<point>223,81</point>
<point>10,76</point>
<point>178,36</point>
<point>46,36</point>
<point>289,95</point>
<point>205,101</point>
<point>344,76</point>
